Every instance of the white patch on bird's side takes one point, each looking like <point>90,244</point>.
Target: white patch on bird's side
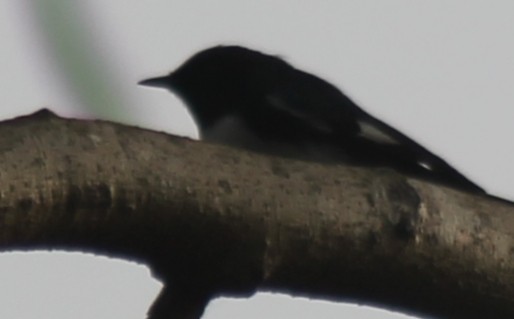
<point>231,130</point>
<point>426,165</point>
<point>371,132</point>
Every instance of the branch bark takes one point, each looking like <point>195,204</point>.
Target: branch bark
<point>211,220</point>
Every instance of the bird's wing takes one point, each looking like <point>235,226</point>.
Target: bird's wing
<point>317,108</point>
<point>313,102</point>
<point>324,109</point>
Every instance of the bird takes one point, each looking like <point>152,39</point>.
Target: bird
<point>259,102</point>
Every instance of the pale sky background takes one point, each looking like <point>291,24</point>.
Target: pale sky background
<point>440,71</point>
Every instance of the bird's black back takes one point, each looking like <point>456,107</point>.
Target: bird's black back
<point>271,107</point>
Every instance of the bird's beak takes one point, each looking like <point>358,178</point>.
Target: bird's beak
<point>160,82</point>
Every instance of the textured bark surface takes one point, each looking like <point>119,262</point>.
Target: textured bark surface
<point>211,220</point>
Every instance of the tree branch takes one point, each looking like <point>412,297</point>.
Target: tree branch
<point>212,220</point>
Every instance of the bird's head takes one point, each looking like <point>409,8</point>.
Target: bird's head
<point>221,79</point>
